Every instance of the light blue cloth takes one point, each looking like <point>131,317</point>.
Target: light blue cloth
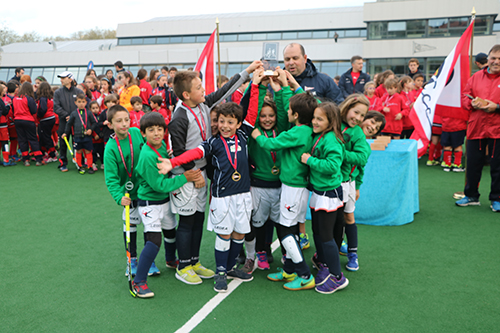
<point>389,194</point>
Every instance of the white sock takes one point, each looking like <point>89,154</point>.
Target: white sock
<point>250,247</point>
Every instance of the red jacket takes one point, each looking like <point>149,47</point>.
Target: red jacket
<point>24,108</point>
<point>380,91</point>
<point>396,104</point>
<point>236,96</point>
<point>408,99</point>
<point>135,118</point>
<point>453,124</point>
<point>374,101</point>
<point>45,108</point>
<point>482,125</point>
<point>146,90</point>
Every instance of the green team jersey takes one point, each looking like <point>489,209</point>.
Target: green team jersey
<point>325,162</point>
<point>293,143</point>
<point>152,185</point>
<point>356,155</point>
<point>115,173</point>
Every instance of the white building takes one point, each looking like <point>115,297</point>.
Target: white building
<point>385,33</point>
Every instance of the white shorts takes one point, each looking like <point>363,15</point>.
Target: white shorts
<point>135,217</point>
<point>266,204</point>
<point>293,205</point>
<point>187,199</point>
<point>322,202</point>
<point>349,194</point>
<point>157,217</point>
<point>231,213</point>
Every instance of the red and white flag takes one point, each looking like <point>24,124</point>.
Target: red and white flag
<point>442,94</point>
<point>206,65</point>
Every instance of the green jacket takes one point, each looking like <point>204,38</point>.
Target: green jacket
<point>326,161</point>
<point>356,156</point>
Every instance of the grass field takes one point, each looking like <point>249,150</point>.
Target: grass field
<point>63,265</point>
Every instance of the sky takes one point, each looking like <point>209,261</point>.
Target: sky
<point>61,18</point>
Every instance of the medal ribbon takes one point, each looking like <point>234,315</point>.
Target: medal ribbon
<point>203,129</point>
<point>228,152</point>
<point>273,154</point>
<point>123,158</point>
<point>156,151</point>
<point>84,124</point>
<point>317,141</point>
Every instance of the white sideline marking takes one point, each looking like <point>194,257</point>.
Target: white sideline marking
<point>215,301</point>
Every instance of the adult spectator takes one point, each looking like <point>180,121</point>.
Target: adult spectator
<point>306,74</point>
<point>353,81</point>
<point>64,104</point>
<point>483,130</point>
<point>119,68</point>
<point>18,73</point>
<point>481,60</point>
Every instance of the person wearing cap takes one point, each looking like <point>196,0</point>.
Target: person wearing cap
<point>481,60</point>
<point>64,104</point>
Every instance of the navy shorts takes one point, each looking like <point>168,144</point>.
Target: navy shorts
<point>84,143</point>
<point>452,139</point>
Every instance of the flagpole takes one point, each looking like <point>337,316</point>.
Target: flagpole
<point>460,195</point>
<point>218,53</point>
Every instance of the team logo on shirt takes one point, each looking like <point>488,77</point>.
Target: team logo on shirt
<point>146,214</point>
<point>175,194</point>
<point>289,208</point>
<point>212,211</point>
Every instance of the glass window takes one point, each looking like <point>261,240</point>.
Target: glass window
<point>188,39</point>
<point>320,34</point>
<point>438,27</point>
<point>433,64</point>
<point>259,36</point>
<point>150,40</point>
<point>202,39</point>
<point>352,33</point>
<point>342,67</point>
<point>274,36</point>
<point>134,70</point>
<point>377,30</point>
<point>341,33</point>
<point>289,35</point>
<point>175,40</point>
<point>496,26</point>
<point>99,70</point>
<point>483,24</point>
<point>4,74</point>
<point>244,37</point>
<point>136,41</point>
<point>458,25</point>
<point>396,26</point>
<point>305,34</point>
<point>162,40</point>
<point>233,69</point>
<point>229,38</point>
<point>124,41</point>
<point>35,72</point>
<point>329,68</point>
<point>415,28</point>
<point>362,32</point>
<point>48,73</point>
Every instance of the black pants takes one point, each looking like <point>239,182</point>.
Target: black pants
<point>98,152</point>
<point>26,136</point>
<point>476,151</point>
<point>63,149</point>
<point>45,134</point>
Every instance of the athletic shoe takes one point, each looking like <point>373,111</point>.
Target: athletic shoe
<point>202,271</point>
<point>63,168</point>
<point>6,164</point>
<point>133,266</point>
<point>443,164</point>
<point>27,163</point>
<point>51,159</point>
<point>300,283</point>
<point>322,276</point>
<point>343,248</point>
<point>142,290</point>
<point>495,206</point>
<point>468,201</point>
<point>102,166</point>
<point>447,168</point>
<point>262,262</point>
<point>281,276</point>
<point>458,168</point>
<point>153,270</point>
<point>187,275</point>
<point>332,284</point>
<point>172,263</point>
<point>304,242</point>
<point>81,171</point>
<point>94,167</point>
<point>220,282</point>
<point>315,261</point>
<point>16,159</point>
<point>432,163</point>
<point>238,274</point>
<point>249,265</point>
<point>352,264</point>
<point>91,171</point>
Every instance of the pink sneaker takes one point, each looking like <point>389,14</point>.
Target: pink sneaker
<point>262,263</point>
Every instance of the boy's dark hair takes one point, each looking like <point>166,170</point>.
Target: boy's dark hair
<point>378,117</point>
<point>164,68</point>
<point>157,99</point>
<point>337,77</point>
<point>332,113</point>
<point>173,69</point>
<point>415,60</point>
<point>230,109</point>
<point>81,96</point>
<point>26,90</point>
<point>356,57</point>
<point>152,119</point>
<point>113,110</point>
<point>183,82</point>
<point>18,70</point>
<point>44,90</point>
<point>170,80</point>
<point>416,76</point>
<point>11,87</point>
<point>110,98</point>
<point>92,103</point>
<point>495,48</point>
<point>135,99</point>
<point>119,64</point>
<point>303,105</point>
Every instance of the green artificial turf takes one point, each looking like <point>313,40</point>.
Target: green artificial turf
<point>63,266</point>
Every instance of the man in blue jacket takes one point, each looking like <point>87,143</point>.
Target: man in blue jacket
<point>353,81</point>
<point>306,74</point>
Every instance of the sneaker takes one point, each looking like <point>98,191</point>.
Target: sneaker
<point>262,262</point>
<point>495,206</point>
<point>203,272</point>
<point>315,261</point>
<point>281,276</point>
<point>322,276</point>
<point>300,283</point>
<point>16,159</point>
<point>94,167</point>
<point>153,270</point>
<point>187,275</point>
<point>133,266</point>
<point>91,171</point>
<point>142,290</point>
<point>443,164</point>
<point>63,168</point>
<point>27,163</point>
<point>51,159</point>
<point>332,284</point>
<point>458,168</point>
<point>352,264</point>
<point>343,248</point>
<point>249,265</point>
<point>172,263</point>
<point>304,242</point>
<point>102,166</point>
<point>6,164</point>
<point>432,163</point>
<point>238,274</point>
<point>220,282</point>
<point>468,201</point>
<point>447,168</point>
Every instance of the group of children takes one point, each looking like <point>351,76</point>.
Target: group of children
<point>263,157</point>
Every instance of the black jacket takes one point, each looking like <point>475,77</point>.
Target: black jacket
<point>64,101</point>
<point>346,86</point>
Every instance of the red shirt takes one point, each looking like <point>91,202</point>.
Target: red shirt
<point>396,104</point>
<point>408,99</point>
<point>22,110</point>
<point>146,90</point>
<point>355,77</point>
<point>374,101</point>
<point>135,118</point>
<point>380,91</point>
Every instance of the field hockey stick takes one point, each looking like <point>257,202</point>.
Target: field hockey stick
<point>127,235</point>
<point>80,170</point>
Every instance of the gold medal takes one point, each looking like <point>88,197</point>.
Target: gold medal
<point>236,176</point>
<point>275,170</point>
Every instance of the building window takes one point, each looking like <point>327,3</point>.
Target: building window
<point>189,39</point>
<point>496,26</point>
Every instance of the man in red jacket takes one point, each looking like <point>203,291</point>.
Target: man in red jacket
<point>483,130</point>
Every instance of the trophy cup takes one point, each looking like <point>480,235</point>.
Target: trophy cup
<point>270,58</point>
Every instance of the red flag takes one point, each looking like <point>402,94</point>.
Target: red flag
<point>442,93</point>
<point>206,65</point>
